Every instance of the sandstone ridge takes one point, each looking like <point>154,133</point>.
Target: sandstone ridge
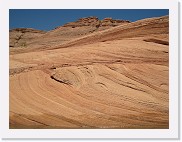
<point>28,37</point>
<point>92,77</point>
<point>94,21</point>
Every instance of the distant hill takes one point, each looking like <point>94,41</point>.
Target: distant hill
<point>86,31</point>
<point>84,26</point>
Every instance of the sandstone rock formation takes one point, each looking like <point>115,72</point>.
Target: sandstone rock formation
<point>112,78</point>
<point>88,21</point>
<point>20,37</point>
<point>23,37</point>
<point>112,22</point>
<point>95,22</point>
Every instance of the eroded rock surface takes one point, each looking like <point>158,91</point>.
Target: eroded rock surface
<point>95,22</point>
<point>27,37</point>
<point>88,78</point>
<point>20,37</point>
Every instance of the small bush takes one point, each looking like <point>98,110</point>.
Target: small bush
<point>23,44</point>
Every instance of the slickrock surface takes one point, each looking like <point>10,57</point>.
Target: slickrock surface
<point>111,78</point>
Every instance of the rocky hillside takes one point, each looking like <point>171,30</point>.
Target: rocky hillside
<point>23,37</point>
<point>116,78</point>
<point>95,22</point>
<point>141,28</point>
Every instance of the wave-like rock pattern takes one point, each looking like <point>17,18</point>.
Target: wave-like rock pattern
<point>93,96</point>
<point>32,38</point>
<point>96,88</point>
<point>115,83</point>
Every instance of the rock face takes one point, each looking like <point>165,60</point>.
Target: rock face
<point>114,78</point>
<point>89,21</point>
<point>19,37</point>
<point>95,22</point>
<point>112,22</point>
<point>66,35</point>
<point>27,37</point>
<point>141,28</point>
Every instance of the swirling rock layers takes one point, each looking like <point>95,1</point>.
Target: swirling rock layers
<point>115,83</point>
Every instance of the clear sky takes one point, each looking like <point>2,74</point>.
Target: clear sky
<point>47,19</point>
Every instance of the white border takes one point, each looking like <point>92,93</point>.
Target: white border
<point>171,133</point>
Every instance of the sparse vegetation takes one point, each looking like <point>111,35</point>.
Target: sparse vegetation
<point>23,45</point>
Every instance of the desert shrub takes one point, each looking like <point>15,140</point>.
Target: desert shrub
<point>23,44</point>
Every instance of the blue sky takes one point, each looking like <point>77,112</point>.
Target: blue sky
<point>47,19</point>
